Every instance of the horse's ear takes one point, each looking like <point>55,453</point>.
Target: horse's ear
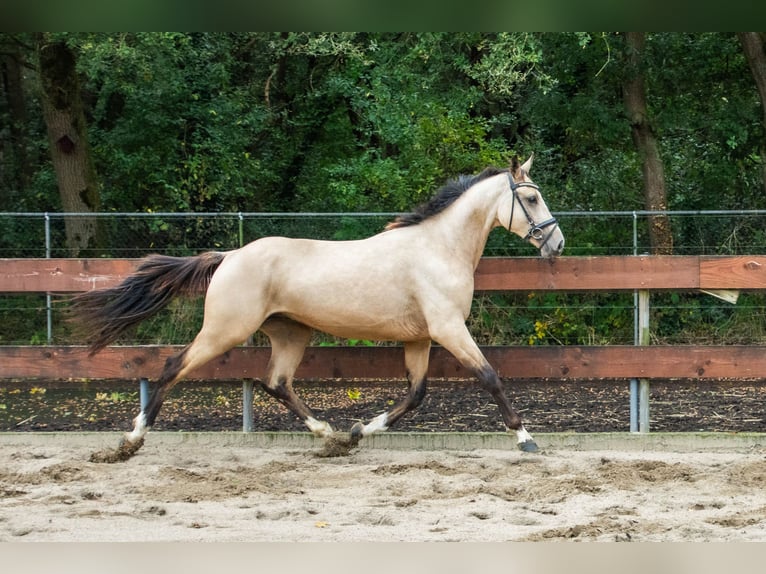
<point>527,165</point>
<point>515,166</point>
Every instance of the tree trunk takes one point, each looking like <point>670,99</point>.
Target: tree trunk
<point>754,46</point>
<point>634,96</point>
<point>67,135</point>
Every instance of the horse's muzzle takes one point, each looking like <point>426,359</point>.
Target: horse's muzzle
<point>553,245</point>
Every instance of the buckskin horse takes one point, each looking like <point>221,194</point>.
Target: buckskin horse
<point>412,283</point>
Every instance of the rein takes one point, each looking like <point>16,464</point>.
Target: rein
<point>535,229</point>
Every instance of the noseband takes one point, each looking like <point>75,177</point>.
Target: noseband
<point>536,230</point>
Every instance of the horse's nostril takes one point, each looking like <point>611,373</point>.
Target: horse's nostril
<point>560,247</point>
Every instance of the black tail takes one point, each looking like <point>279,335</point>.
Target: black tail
<point>105,314</point>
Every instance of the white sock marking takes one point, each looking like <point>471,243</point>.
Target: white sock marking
<point>139,428</point>
<point>378,424</point>
<point>523,436</point>
<point>319,428</point>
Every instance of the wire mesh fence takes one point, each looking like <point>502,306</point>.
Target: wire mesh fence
<point>587,233</point>
<point>496,319</point>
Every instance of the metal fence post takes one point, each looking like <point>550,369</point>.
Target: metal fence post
<point>247,384</point>
<point>634,400</point>
<point>48,304</point>
<point>247,405</point>
<point>639,388</point>
<point>643,339</point>
<point>143,393</point>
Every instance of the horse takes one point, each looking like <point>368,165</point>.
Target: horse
<point>413,283</point>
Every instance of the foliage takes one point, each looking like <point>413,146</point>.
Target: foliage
<point>376,121</point>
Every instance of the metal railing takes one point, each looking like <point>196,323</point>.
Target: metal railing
<point>701,232</point>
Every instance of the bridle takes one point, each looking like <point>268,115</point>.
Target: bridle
<point>536,230</point>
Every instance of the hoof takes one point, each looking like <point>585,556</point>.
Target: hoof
<point>357,432</point>
<point>528,446</point>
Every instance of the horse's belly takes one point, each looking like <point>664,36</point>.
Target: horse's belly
<point>376,326</point>
<point>373,334</point>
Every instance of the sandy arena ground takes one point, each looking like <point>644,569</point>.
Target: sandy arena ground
<point>185,492</point>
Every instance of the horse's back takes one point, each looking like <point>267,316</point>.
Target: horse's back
<point>315,260</point>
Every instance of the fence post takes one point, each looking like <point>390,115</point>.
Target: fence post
<point>634,400</point>
<point>247,405</point>
<point>247,384</point>
<point>633,405</point>
<point>643,339</point>
<point>48,304</point>
<point>143,393</point>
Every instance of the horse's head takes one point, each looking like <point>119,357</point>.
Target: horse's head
<point>526,213</point>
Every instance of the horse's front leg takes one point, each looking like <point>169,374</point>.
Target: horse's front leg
<point>489,380</point>
<point>459,342</point>
<point>416,361</point>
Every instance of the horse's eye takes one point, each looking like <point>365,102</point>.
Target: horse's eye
<point>532,200</point>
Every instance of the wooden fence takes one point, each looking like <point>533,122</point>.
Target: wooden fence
<point>571,274</point>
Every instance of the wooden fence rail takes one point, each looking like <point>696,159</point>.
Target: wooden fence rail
<point>570,274</point>
<point>607,273</point>
<point>557,362</point>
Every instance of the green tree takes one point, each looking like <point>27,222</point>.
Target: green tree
<point>68,137</point>
<point>377,121</point>
<point>645,140</point>
<point>400,113</point>
<point>173,126</point>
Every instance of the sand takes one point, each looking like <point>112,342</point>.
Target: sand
<point>187,492</point>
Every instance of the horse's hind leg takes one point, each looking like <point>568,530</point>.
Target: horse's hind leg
<point>177,366</point>
<point>167,380</point>
<point>416,361</point>
<point>288,343</point>
<point>132,442</point>
<point>209,343</point>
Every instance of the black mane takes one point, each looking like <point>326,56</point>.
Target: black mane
<point>443,198</point>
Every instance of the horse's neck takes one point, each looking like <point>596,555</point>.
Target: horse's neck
<point>465,227</point>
